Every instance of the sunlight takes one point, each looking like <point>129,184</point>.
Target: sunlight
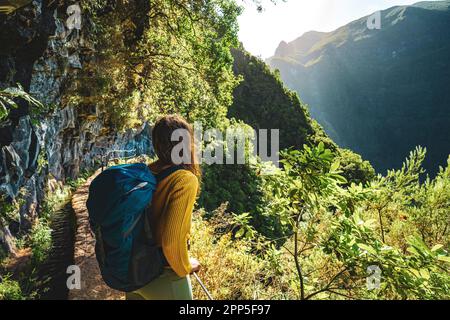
<point>261,32</point>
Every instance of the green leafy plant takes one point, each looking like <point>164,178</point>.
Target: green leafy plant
<point>336,229</point>
<point>40,241</point>
<point>10,289</point>
<point>7,97</point>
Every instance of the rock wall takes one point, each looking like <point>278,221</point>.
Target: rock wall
<point>41,54</point>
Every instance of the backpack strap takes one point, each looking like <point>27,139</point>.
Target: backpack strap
<point>167,172</point>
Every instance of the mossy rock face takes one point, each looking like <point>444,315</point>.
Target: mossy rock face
<point>64,139</point>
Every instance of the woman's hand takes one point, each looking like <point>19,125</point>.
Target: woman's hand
<point>195,265</point>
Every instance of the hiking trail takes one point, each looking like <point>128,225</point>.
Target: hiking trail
<point>92,285</point>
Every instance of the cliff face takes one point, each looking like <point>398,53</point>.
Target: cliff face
<point>378,92</point>
<point>40,53</point>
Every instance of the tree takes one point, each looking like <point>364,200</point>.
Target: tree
<point>159,57</point>
<point>335,236</point>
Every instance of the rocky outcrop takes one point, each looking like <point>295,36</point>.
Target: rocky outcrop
<point>41,54</point>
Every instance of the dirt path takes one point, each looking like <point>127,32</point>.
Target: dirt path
<point>92,285</point>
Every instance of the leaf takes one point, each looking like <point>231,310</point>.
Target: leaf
<point>424,274</point>
<point>240,233</point>
<point>370,223</point>
<point>413,251</point>
<point>367,248</point>
<point>10,102</point>
<point>415,272</point>
<point>340,179</point>
<point>444,259</point>
<point>321,146</point>
<point>8,95</point>
<point>436,247</point>
<point>335,166</point>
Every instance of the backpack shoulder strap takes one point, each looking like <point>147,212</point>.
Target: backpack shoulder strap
<point>167,172</point>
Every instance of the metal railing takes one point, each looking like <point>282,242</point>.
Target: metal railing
<point>112,155</point>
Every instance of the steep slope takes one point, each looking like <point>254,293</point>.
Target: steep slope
<point>378,92</point>
<point>262,101</point>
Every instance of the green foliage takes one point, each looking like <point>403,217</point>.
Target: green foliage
<point>53,201</point>
<point>42,161</point>
<point>10,290</point>
<point>430,214</point>
<point>7,100</point>
<point>8,209</point>
<point>167,57</point>
<point>337,232</point>
<point>403,205</point>
<point>354,168</point>
<point>74,184</point>
<point>262,101</point>
<point>40,241</point>
<point>229,269</point>
<point>240,186</point>
<point>416,274</point>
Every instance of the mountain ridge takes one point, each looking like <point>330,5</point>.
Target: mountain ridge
<point>308,36</point>
<point>378,92</point>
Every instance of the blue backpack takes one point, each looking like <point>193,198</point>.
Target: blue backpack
<point>126,252</point>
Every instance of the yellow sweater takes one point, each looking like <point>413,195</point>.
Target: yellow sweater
<point>171,213</point>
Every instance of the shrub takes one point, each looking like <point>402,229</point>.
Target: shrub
<point>41,241</point>
<point>229,269</point>
<point>10,290</point>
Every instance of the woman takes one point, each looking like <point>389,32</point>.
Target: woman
<point>171,211</point>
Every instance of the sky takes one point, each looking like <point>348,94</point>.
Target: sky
<point>262,32</point>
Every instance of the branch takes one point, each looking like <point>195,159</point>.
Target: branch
<point>296,259</point>
<point>328,286</point>
<point>341,294</point>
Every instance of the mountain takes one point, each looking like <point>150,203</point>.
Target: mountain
<point>263,101</point>
<point>379,92</point>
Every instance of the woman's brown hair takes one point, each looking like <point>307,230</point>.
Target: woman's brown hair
<point>163,144</point>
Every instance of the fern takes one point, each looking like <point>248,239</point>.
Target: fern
<point>7,102</point>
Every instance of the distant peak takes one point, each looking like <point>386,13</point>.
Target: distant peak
<point>282,49</point>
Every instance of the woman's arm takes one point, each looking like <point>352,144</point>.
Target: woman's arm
<point>178,223</point>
